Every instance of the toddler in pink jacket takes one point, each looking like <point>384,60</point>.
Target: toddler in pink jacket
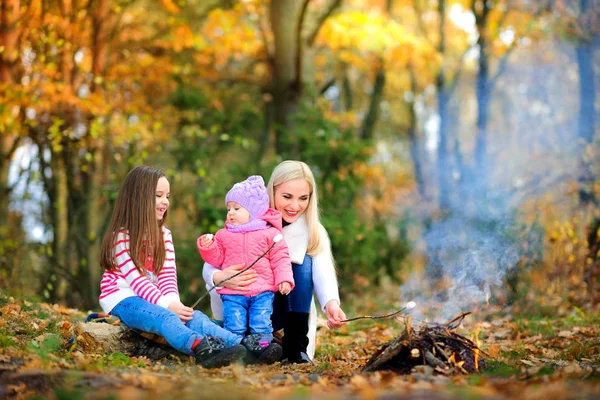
<point>249,231</point>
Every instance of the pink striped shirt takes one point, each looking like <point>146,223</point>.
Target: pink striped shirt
<point>126,281</point>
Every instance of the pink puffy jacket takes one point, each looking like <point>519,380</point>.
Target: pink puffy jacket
<point>231,248</point>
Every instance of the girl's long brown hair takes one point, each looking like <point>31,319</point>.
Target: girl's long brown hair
<point>135,212</point>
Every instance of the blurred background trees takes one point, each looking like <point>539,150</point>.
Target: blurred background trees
<point>452,138</point>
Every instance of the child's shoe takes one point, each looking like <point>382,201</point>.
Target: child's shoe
<point>261,351</point>
<point>211,352</point>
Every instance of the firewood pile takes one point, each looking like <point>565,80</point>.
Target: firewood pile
<point>436,345</point>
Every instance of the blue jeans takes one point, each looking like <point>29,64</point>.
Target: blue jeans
<point>138,313</point>
<point>300,298</point>
<point>249,313</point>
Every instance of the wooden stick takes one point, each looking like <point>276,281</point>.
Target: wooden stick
<point>375,316</point>
<point>434,361</point>
<point>233,276</point>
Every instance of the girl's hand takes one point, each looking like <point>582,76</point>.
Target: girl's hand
<point>285,288</point>
<point>335,315</point>
<point>183,312</point>
<point>206,240</point>
<point>240,282</point>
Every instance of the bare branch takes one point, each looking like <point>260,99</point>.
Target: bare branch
<point>419,12</point>
<point>459,70</point>
<point>313,35</point>
<point>300,43</point>
<point>501,65</point>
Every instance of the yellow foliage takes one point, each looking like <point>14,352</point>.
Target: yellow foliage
<point>170,6</point>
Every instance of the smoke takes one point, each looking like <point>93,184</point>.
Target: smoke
<point>468,261</point>
<point>532,149</point>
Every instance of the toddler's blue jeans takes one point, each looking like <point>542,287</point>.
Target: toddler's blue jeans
<point>138,313</point>
<point>249,314</point>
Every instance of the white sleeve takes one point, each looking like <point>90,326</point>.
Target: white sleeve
<point>208,272</point>
<point>216,304</point>
<point>323,273</point>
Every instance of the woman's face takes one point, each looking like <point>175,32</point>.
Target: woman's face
<point>291,199</point>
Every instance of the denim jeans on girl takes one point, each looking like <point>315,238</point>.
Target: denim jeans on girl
<point>138,313</point>
<point>300,298</point>
<point>249,314</point>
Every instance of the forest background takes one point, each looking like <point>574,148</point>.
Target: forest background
<point>455,143</point>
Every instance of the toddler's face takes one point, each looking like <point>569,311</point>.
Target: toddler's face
<point>236,214</point>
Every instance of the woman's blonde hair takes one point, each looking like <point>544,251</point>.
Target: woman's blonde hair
<point>290,170</point>
<point>135,213</point>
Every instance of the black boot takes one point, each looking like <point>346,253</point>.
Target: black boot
<point>261,352</point>
<point>212,352</point>
<point>295,340</point>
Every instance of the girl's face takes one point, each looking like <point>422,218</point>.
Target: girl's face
<point>163,192</point>
<point>291,199</point>
<point>236,214</point>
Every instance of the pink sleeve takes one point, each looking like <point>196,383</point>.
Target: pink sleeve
<point>281,264</point>
<point>213,254</point>
<point>167,278</point>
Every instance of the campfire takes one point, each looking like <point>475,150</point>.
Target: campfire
<point>436,345</point>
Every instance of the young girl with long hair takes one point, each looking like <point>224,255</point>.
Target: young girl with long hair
<point>139,284</point>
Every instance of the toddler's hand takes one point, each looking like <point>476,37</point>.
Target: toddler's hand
<point>206,240</point>
<point>285,288</point>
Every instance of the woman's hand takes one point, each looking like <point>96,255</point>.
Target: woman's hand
<point>240,282</point>
<point>335,315</point>
<point>183,312</point>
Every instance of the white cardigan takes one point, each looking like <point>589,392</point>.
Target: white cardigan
<point>323,274</point>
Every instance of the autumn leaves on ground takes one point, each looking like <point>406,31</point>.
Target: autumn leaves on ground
<point>554,356</point>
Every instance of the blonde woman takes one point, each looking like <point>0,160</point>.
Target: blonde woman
<point>293,192</point>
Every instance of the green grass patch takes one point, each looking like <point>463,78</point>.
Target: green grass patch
<point>517,352</point>
<point>326,349</point>
<point>465,393</point>
<point>323,366</point>
<point>47,346</point>
<point>31,304</point>
<point>546,371</point>
<point>537,325</point>
<point>6,341</point>
<point>301,392</point>
<point>496,368</point>
<point>118,360</point>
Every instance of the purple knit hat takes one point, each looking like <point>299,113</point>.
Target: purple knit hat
<point>250,194</point>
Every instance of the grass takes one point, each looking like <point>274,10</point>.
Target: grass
<point>6,341</point>
<point>497,368</point>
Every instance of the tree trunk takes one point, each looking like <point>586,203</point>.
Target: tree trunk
<point>9,18</point>
<point>587,99</point>
<point>368,126</point>
<point>7,147</point>
<point>60,222</point>
<point>483,98</point>
<point>372,116</point>
<point>103,338</point>
<point>284,16</point>
<point>9,55</point>
<point>415,152</point>
<point>443,167</point>
<point>91,270</point>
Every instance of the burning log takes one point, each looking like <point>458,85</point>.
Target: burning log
<point>436,345</point>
